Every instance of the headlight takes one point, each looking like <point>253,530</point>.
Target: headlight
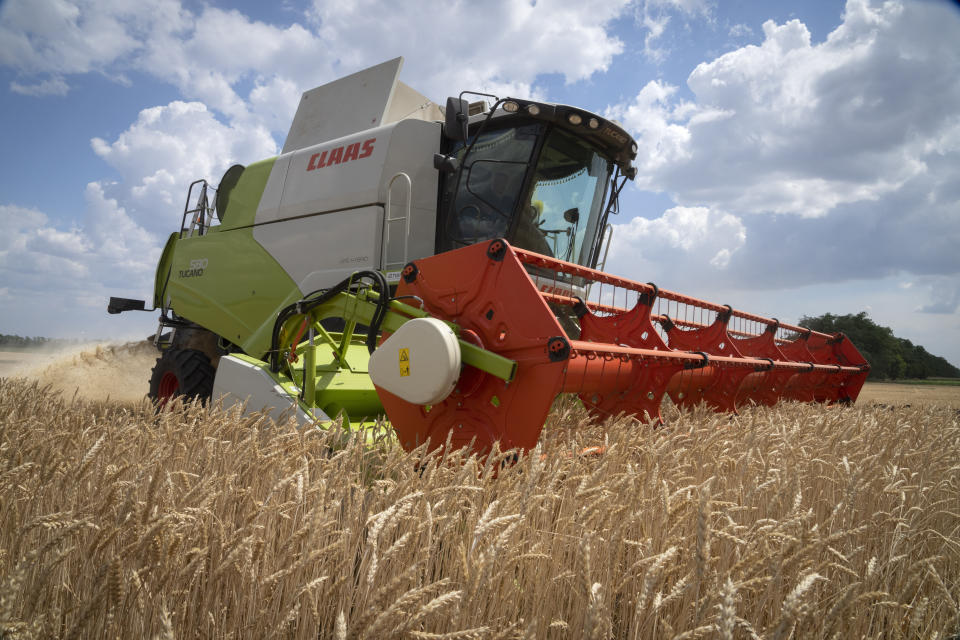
<point>533,109</point>
<point>574,118</point>
<point>593,123</point>
<point>510,106</point>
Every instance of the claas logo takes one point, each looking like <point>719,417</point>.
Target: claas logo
<point>339,155</point>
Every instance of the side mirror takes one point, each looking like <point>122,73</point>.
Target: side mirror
<point>572,215</point>
<point>455,119</point>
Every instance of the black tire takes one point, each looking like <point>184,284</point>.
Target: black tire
<point>185,373</point>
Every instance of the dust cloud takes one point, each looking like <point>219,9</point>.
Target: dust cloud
<point>93,371</point>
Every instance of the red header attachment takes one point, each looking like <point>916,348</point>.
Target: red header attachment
<point>613,344</point>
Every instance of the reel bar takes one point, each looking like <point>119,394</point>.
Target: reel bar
<point>561,266</point>
<point>553,264</point>
<point>567,301</point>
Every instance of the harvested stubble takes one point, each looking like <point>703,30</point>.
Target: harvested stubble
<point>796,521</point>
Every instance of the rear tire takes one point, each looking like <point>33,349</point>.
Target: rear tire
<point>185,373</point>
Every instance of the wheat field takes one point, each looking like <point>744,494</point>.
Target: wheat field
<point>792,522</point>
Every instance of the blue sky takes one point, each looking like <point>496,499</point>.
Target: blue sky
<point>795,158</point>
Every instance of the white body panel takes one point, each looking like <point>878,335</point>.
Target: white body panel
<point>352,103</point>
<point>240,382</point>
<point>419,362</point>
<point>407,103</point>
<point>358,102</point>
<point>321,250</point>
<point>321,215</point>
<point>299,186</point>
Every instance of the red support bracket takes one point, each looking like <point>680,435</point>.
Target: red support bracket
<point>763,387</point>
<point>717,385</point>
<point>648,381</point>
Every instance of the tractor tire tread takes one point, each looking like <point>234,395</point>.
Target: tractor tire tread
<point>193,370</point>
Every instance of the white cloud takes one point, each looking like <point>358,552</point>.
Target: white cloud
<point>274,101</point>
<point>520,41</point>
<point>216,55</point>
<point>790,126</point>
<point>740,30</point>
<point>58,36</point>
<point>65,244</point>
<point>75,268</point>
<point>53,86</point>
<point>120,245</point>
<point>703,7</point>
<point>655,16</point>
<point>662,141</point>
<point>110,249</point>
<point>858,133</point>
<point>208,55</point>
<point>656,26</point>
<point>684,243</point>
<point>169,147</point>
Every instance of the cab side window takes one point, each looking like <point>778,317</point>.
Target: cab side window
<point>490,184</point>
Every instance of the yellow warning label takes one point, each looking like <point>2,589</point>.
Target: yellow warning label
<point>404,362</point>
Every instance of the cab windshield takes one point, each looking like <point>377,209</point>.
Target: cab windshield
<point>561,214</point>
<point>553,208</point>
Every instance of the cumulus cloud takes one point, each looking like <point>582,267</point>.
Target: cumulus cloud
<point>57,36</point>
<point>845,149</point>
<point>76,267</point>
<point>72,262</point>
<point>170,146</point>
<point>684,242</point>
<point>520,40</point>
<point>253,72</point>
<point>113,248</point>
<point>656,124</point>
<point>790,126</point>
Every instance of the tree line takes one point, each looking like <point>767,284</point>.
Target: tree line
<point>890,357</point>
<point>15,343</point>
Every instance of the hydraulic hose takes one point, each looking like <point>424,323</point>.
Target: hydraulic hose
<point>308,303</point>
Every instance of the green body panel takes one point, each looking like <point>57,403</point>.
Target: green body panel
<point>245,197</point>
<point>241,309</point>
<point>224,280</point>
<point>163,271</point>
<point>339,389</point>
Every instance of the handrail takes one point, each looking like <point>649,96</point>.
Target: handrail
<point>387,219</point>
<point>199,220</point>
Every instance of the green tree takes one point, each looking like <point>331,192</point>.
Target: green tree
<point>890,357</point>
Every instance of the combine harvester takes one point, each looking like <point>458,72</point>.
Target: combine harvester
<point>439,267</point>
